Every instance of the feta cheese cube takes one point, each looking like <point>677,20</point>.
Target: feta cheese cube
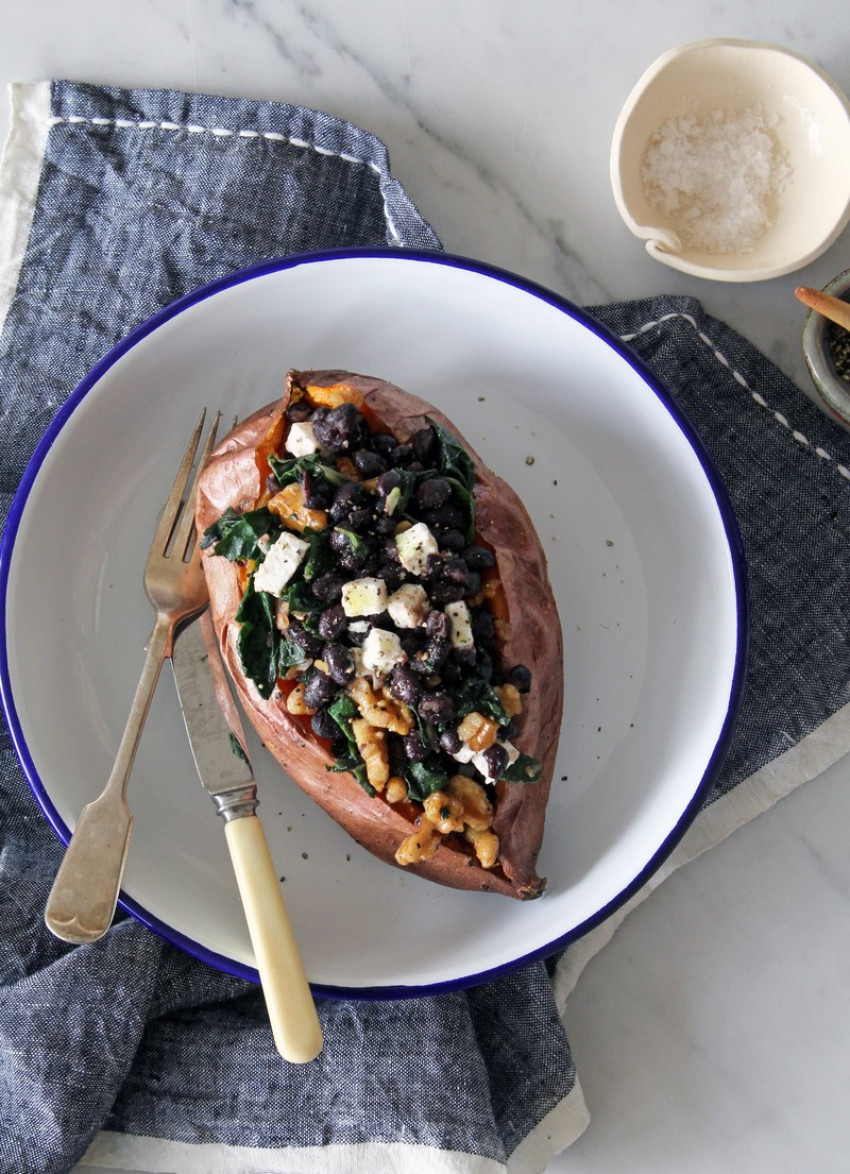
<point>408,606</point>
<point>381,651</point>
<point>414,545</point>
<point>301,440</point>
<point>281,562</point>
<point>465,754</point>
<point>460,632</point>
<point>364,597</point>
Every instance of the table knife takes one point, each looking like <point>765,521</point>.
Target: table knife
<point>221,756</point>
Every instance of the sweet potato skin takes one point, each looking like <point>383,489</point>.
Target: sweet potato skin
<point>234,478</point>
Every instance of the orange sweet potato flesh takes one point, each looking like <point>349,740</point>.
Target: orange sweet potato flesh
<point>235,477</point>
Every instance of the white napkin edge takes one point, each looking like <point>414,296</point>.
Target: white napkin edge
<point>20,171</point>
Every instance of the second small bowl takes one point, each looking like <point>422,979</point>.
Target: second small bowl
<point>833,391</point>
<point>809,117</point>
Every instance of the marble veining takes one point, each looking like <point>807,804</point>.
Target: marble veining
<point>711,1033</point>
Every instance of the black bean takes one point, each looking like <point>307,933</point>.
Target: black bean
<point>437,708</point>
<point>420,664</point>
<point>423,442</point>
<point>412,641</point>
<point>452,671</point>
<point>479,558</point>
<point>401,455</point>
<point>396,755</point>
<point>348,498</point>
<point>323,725</point>
<point>432,493</point>
<point>333,622</point>
<point>450,741</point>
<point>496,758</point>
<point>383,442</point>
<point>340,429</point>
<point>369,463</point>
<point>360,520</point>
<point>453,541</point>
<point>520,677</point>
<point>350,557</point>
<point>444,590</point>
<point>385,525</point>
<point>340,663</point>
<point>452,580</point>
<point>414,747</point>
<point>393,575</point>
<point>445,517</point>
<point>483,629</point>
<point>387,482</point>
<point>315,498</point>
<point>319,689</point>
<point>328,587</point>
<point>298,411</point>
<point>438,625</point>
<point>310,643</point>
<point>405,684</point>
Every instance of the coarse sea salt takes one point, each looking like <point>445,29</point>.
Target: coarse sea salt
<point>714,178</point>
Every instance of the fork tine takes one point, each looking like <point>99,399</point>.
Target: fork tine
<point>183,532</point>
<point>170,509</point>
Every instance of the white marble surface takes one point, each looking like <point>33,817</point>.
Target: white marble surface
<point>711,1034</point>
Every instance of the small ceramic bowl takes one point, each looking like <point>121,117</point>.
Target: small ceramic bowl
<point>833,391</point>
<point>808,117</point>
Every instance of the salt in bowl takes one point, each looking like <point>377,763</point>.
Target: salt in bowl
<point>709,86</point>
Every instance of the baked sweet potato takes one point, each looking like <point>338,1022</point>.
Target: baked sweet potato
<point>383,606</point>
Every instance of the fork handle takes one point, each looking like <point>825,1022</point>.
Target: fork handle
<point>292,1012</point>
<point>82,901</point>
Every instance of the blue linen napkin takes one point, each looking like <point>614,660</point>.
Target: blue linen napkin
<point>112,204</point>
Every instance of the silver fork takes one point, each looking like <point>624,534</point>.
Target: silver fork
<point>82,900</point>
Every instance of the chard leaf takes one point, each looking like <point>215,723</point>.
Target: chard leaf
<point>289,469</point>
<point>258,639</point>
<point>463,496</point>
<point>475,694</point>
<point>423,778</point>
<point>524,769</point>
<point>236,747</point>
<point>319,556</point>
<point>289,653</point>
<point>236,536</point>
<point>453,460</point>
<point>342,709</point>
<point>298,594</point>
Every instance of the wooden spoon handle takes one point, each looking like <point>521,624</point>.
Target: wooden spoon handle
<point>831,307</point>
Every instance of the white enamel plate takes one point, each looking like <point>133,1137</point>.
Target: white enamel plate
<point>644,557</point>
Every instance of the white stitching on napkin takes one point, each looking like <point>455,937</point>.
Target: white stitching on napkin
<point>739,378</point>
<point>223,132</point>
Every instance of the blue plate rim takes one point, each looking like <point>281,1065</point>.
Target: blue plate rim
<point>571,310</point>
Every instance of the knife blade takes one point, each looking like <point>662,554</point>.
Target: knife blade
<point>220,752</point>
<point>212,720</point>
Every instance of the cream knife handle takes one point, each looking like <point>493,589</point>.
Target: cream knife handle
<point>292,1012</point>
